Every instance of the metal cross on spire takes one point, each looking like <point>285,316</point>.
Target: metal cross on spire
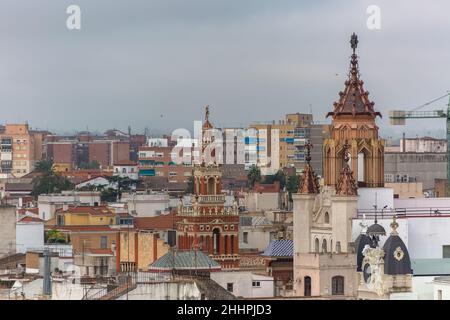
<point>354,41</point>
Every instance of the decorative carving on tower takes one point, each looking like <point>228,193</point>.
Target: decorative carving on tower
<point>353,119</point>
<point>308,182</point>
<point>346,185</point>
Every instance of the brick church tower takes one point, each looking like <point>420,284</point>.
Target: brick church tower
<point>207,224</point>
<point>354,123</point>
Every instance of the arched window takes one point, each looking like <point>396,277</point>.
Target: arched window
<point>337,285</point>
<point>324,245</point>
<point>211,186</point>
<point>232,244</point>
<point>201,244</point>
<point>307,284</point>
<point>216,241</point>
<point>327,217</point>
<point>361,169</point>
<point>225,240</point>
<point>208,247</point>
<point>316,246</point>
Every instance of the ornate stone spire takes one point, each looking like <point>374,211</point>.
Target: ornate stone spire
<point>354,100</point>
<point>308,183</point>
<point>346,185</point>
<point>207,124</point>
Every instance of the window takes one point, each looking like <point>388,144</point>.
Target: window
<point>245,237</point>
<point>439,294</point>
<point>226,244</point>
<point>316,246</point>
<point>230,287</point>
<point>324,245</point>
<point>232,244</point>
<point>256,284</point>
<point>307,284</point>
<point>338,246</point>
<point>446,251</point>
<point>216,241</point>
<point>337,285</point>
<point>103,242</point>
<point>60,220</point>
<point>124,170</point>
<point>327,217</point>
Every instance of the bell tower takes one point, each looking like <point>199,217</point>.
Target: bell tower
<point>207,224</point>
<point>353,120</point>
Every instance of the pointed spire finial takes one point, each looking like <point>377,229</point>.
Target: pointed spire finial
<point>354,42</point>
<point>207,112</point>
<point>308,182</point>
<point>394,225</point>
<point>346,184</point>
<point>308,147</point>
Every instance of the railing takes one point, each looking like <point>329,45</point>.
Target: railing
<point>211,198</point>
<point>223,211</point>
<point>406,212</point>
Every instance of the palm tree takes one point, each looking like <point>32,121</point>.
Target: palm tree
<point>45,167</point>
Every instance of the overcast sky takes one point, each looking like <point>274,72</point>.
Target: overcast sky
<point>156,63</point>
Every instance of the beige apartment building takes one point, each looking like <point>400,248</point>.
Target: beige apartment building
<point>20,148</point>
<point>274,145</point>
<point>282,144</point>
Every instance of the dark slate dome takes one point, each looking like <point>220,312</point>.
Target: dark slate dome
<point>376,230</point>
<point>361,241</point>
<point>396,259</point>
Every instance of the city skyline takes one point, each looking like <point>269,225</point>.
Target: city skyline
<point>161,62</point>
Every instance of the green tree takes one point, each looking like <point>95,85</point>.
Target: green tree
<point>254,175</point>
<point>280,176</point>
<point>54,236</point>
<point>121,184</point>
<point>108,195</point>
<point>48,181</point>
<point>292,185</point>
<point>44,167</point>
<point>89,165</point>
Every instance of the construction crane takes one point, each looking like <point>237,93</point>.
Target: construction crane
<point>398,117</point>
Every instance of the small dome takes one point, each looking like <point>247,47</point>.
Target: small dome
<point>376,230</point>
<point>396,259</point>
<point>361,241</point>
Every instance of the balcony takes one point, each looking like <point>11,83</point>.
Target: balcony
<point>212,198</point>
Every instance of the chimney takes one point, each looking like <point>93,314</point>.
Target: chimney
<point>65,206</point>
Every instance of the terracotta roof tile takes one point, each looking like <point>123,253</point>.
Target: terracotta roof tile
<point>162,222</point>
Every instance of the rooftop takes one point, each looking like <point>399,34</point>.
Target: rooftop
<point>185,260</point>
<point>161,222</point>
<point>431,267</point>
<point>280,248</point>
